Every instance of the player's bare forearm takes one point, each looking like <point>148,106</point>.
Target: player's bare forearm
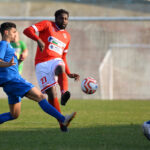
<point>75,76</point>
<point>41,44</point>
<point>7,64</point>
<point>23,56</point>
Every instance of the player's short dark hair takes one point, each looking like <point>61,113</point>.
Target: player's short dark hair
<point>6,26</point>
<point>61,11</point>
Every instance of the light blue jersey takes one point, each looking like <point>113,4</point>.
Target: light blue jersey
<point>6,54</point>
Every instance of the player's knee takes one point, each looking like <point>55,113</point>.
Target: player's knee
<point>15,115</point>
<point>41,97</point>
<point>59,69</point>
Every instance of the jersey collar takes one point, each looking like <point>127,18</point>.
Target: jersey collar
<point>59,28</point>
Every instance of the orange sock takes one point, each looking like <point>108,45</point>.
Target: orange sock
<point>55,103</point>
<point>63,82</point>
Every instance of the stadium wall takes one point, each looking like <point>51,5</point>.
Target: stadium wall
<point>90,39</point>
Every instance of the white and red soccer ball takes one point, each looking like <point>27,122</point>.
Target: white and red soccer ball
<point>146,129</point>
<point>89,85</point>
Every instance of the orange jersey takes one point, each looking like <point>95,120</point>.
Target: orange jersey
<point>56,41</point>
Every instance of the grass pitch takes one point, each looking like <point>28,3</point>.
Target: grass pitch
<point>99,125</point>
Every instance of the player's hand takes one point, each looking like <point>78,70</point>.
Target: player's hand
<point>7,64</point>
<point>23,55</point>
<point>41,45</point>
<point>75,76</point>
<point>11,62</point>
<point>21,59</point>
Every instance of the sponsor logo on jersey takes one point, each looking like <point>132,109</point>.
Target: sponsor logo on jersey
<point>56,49</point>
<point>57,42</point>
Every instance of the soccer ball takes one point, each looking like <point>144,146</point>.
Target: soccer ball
<point>89,85</point>
<point>146,129</point>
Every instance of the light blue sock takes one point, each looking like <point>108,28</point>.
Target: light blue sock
<point>5,117</point>
<point>51,110</point>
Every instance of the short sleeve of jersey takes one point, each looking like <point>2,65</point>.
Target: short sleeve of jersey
<point>40,26</point>
<point>3,47</point>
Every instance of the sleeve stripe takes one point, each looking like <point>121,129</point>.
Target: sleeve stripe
<point>35,28</point>
<point>65,51</point>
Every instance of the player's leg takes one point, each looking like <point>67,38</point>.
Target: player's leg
<point>52,97</point>
<point>37,96</point>
<point>62,78</point>
<point>47,81</point>
<point>53,100</point>
<point>46,78</point>
<point>5,117</point>
<point>12,88</point>
<point>15,109</point>
<point>45,73</point>
<point>63,83</point>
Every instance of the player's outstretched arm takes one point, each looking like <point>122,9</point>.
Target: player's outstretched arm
<point>7,64</point>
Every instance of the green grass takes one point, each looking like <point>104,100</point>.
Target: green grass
<point>99,125</point>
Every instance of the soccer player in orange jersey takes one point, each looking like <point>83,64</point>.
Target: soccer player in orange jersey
<point>50,60</point>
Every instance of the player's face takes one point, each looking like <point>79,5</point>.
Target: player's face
<point>11,34</point>
<point>62,21</point>
<point>16,37</point>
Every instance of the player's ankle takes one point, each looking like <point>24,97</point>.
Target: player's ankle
<point>63,91</point>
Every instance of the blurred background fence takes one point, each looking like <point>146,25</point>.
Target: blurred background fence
<point>125,72</point>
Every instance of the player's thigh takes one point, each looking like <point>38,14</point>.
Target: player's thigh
<point>59,69</point>
<point>51,92</point>
<point>35,94</point>
<point>45,75</point>
<point>15,109</point>
<point>16,89</point>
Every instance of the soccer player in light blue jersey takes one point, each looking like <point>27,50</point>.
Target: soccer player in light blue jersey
<point>15,86</point>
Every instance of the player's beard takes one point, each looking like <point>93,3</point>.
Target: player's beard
<point>12,39</point>
<point>62,26</point>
